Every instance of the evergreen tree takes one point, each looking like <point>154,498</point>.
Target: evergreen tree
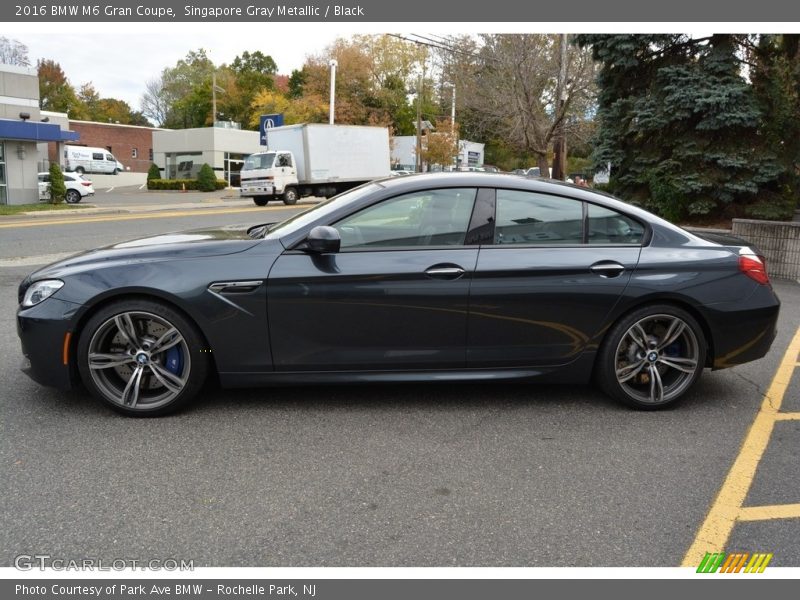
<point>58,190</point>
<point>679,124</point>
<point>206,180</point>
<point>776,80</point>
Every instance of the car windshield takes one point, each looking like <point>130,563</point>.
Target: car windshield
<point>320,210</point>
<point>259,161</point>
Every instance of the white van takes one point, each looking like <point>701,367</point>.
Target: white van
<point>83,159</point>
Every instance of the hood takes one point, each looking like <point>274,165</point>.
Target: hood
<point>195,243</point>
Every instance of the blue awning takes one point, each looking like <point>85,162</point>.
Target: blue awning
<point>35,132</point>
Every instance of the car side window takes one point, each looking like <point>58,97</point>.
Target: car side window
<point>533,218</point>
<point>284,160</point>
<point>97,156</point>
<point>607,226</point>
<point>426,218</point>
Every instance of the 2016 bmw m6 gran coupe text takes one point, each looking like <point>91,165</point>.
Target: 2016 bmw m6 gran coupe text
<point>468,277</point>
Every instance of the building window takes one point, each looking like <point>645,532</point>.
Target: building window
<point>150,154</point>
<point>108,148</point>
<point>134,153</point>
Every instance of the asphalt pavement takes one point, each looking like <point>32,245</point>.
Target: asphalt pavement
<point>378,475</point>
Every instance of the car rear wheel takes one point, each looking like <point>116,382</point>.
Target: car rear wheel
<point>652,357</point>
<point>261,200</point>
<point>141,358</point>
<point>290,196</point>
<point>73,196</point>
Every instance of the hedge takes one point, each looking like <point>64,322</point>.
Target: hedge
<point>178,184</point>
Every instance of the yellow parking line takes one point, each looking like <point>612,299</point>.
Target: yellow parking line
<point>763,513</point>
<point>727,507</point>
<point>124,217</point>
<point>793,416</point>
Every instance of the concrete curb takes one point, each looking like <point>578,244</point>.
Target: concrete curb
<point>92,209</point>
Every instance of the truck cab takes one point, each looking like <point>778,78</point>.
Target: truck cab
<point>266,175</point>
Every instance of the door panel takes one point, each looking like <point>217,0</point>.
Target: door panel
<point>543,305</point>
<point>370,310</point>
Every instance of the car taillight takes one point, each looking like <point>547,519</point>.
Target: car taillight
<point>755,267</point>
<point>86,183</point>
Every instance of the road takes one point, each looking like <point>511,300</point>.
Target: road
<point>416,475</point>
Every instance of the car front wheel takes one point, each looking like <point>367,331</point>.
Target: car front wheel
<point>142,358</point>
<point>652,357</point>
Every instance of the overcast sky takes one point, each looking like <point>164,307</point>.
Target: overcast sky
<point>119,62</point>
<point>118,58</point>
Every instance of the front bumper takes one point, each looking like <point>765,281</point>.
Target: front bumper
<point>257,190</point>
<point>42,330</point>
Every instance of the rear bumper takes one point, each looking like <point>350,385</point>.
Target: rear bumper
<point>743,331</point>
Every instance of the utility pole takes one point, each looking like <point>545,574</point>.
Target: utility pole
<point>213,97</point>
<point>418,165</point>
<point>560,139</point>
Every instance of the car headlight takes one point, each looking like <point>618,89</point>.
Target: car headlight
<point>40,291</point>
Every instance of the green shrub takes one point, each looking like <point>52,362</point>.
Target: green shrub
<point>153,172</point>
<point>58,191</point>
<point>206,179</point>
<point>182,184</point>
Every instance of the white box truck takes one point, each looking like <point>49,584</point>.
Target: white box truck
<point>315,160</point>
<point>83,159</point>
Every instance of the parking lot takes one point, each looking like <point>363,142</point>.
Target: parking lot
<point>416,475</point>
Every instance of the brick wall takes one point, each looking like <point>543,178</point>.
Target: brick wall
<point>778,241</point>
<point>121,139</point>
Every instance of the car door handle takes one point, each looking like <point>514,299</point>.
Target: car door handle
<point>444,272</point>
<point>607,268</point>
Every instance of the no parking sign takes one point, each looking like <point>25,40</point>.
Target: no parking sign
<point>267,123</point>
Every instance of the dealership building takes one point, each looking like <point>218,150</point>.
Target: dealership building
<point>24,132</point>
<point>180,153</point>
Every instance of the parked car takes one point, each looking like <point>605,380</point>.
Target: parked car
<point>435,278</point>
<point>78,187</point>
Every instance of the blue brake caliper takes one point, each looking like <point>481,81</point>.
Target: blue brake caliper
<point>174,360</point>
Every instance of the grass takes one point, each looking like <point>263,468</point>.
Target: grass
<point>15,209</point>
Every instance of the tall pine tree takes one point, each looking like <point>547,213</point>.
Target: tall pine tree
<point>680,125</point>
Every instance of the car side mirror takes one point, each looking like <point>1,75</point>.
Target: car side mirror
<point>324,240</point>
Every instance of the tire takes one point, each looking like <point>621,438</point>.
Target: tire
<point>73,196</point>
<point>261,200</point>
<point>80,170</point>
<point>119,346</point>
<point>115,172</point>
<point>660,340</point>
<point>290,196</point>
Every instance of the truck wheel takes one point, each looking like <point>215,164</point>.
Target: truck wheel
<point>290,196</point>
<point>261,200</point>
<point>80,170</point>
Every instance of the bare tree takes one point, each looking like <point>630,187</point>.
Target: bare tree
<point>155,101</point>
<point>13,52</point>
<point>515,91</point>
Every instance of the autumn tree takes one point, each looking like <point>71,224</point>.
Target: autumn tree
<point>55,91</point>
<point>441,145</point>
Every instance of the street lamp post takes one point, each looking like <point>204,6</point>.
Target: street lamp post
<point>332,65</point>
